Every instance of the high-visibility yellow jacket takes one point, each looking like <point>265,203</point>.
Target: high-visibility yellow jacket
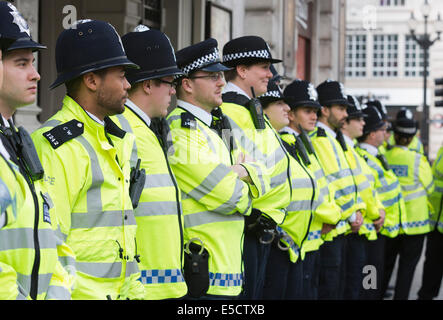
<point>388,190</point>
<point>214,200</point>
<point>321,205</point>
<point>415,145</point>
<point>87,172</point>
<point>339,175</point>
<point>159,214</point>
<point>266,148</point>
<point>9,190</point>
<point>364,181</point>
<point>437,196</point>
<point>415,176</point>
<point>29,247</point>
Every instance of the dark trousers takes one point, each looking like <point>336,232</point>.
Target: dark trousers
<point>355,260</point>
<point>284,279</point>
<point>331,269</point>
<point>256,257</point>
<point>311,274</point>
<point>375,253</point>
<point>408,248</point>
<point>433,267</point>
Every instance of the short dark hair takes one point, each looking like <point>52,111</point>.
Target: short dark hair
<point>72,86</point>
<point>403,139</point>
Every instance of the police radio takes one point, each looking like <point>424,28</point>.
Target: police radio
<point>306,140</point>
<point>256,110</point>
<point>383,161</point>
<point>24,147</point>
<point>302,151</point>
<point>137,184</point>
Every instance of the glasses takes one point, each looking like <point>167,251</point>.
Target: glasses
<point>173,84</point>
<point>215,76</point>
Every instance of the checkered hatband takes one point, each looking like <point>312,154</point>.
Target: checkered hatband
<point>264,54</point>
<point>208,59</point>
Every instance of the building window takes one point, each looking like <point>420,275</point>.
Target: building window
<point>152,13</point>
<point>356,56</point>
<point>414,58</point>
<point>392,3</point>
<point>385,52</point>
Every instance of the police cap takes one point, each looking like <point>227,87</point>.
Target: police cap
<point>380,107</point>
<point>89,45</point>
<point>373,120</point>
<point>301,93</point>
<point>273,93</point>
<point>354,109</point>
<point>15,29</point>
<point>247,49</point>
<point>152,51</point>
<point>332,92</point>
<point>202,56</point>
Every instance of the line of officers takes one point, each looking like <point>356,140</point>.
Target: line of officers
<point>241,191</point>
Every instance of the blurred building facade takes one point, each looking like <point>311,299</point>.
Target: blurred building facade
<point>308,35</point>
<point>382,60</point>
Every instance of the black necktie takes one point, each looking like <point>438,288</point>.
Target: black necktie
<point>341,139</point>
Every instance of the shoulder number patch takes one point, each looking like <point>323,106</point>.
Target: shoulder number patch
<point>188,120</point>
<point>64,132</point>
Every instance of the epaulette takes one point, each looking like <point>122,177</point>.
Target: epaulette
<point>321,132</point>
<point>234,97</point>
<point>64,132</point>
<point>112,128</point>
<point>188,120</point>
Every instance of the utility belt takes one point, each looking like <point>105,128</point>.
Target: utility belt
<point>263,227</point>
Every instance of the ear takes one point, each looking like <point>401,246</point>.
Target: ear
<point>187,85</point>
<point>91,81</point>
<point>242,71</point>
<point>292,115</point>
<point>146,85</point>
<point>325,112</point>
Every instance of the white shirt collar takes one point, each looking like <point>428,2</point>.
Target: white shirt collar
<point>203,115</point>
<point>233,87</point>
<point>348,140</point>
<point>95,118</point>
<point>327,129</point>
<point>131,105</point>
<point>3,150</point>
<point>6,123</point>
<point>369,148</point>
<point>290,130</point>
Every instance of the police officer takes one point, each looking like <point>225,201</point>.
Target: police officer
<point>158,214</point>
<point>86,158</point>
<point>415,145</point>
<point>415,176</point>
<point>332,116</point>
<point>386,119</point>
<point>217,190</point>
<point>388,190</point>
<point>284,276</point>
<point>30,267</point>
<point>303,100</point>
<point>356,242</point>
<point>250,59</point>
<point>433,266</point>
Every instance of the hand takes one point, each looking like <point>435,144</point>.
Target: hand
<point>326,228</point>
<point>380,221</point>
<point>355,226</point>
<point>242,158</point>
<point>242,173</point>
